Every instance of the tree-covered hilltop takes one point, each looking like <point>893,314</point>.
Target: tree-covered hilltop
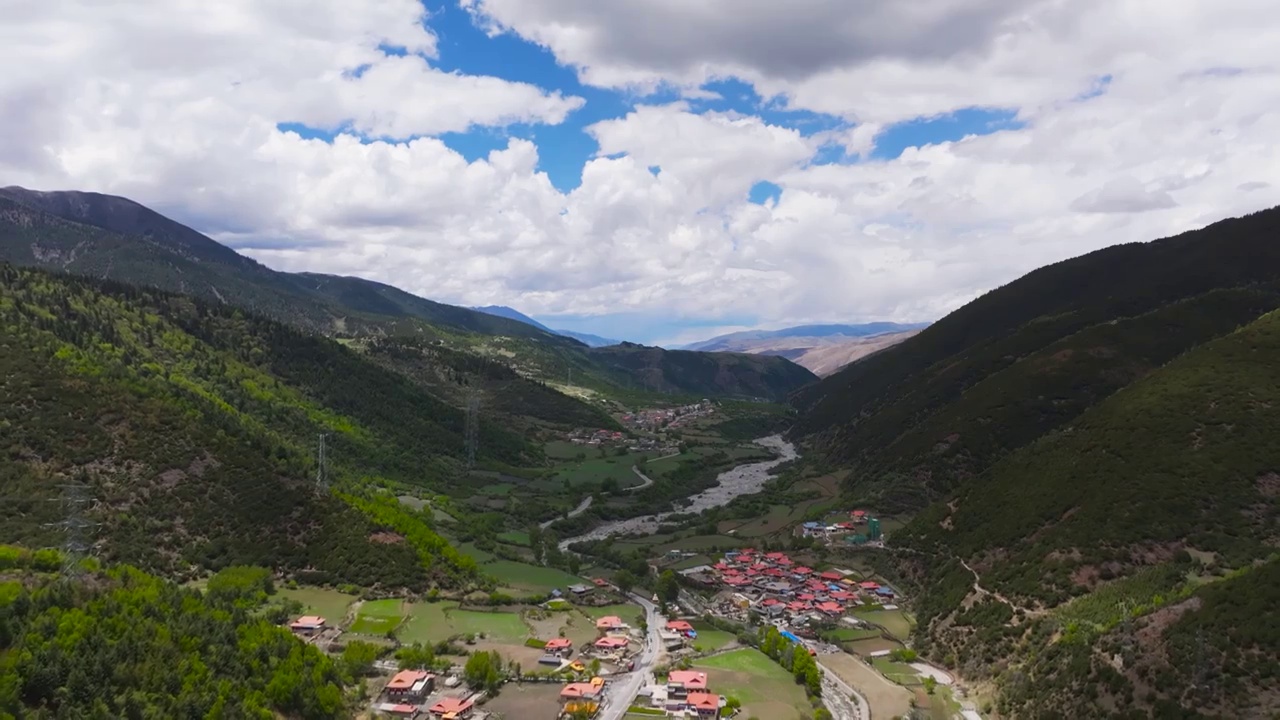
<point>1168,482</point>
<point>194,427</point>
<point>870,402</point>
<point>124,644</point>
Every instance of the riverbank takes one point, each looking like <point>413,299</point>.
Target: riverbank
<point>744,479</point>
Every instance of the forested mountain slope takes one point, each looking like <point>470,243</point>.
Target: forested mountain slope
<point>1098,526</point>
<point>108,237</point>
<point>703,373</point>
<point>123,644</point>
<point>114,238</point>
<point>194,426</point>
<point>917,418</point>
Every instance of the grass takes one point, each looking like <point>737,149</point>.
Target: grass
<point>595,470</point>
<point>329,604</point>
<point>564,450</point>
<point>433,622</point>
<point>765,689</point>
<point>528,701</point>
<point>898,672</point>
<point>475,553</point>
<point>530,577</point>
<point>515,537</point>
<point>626,612</point>
<point>711,639</point>
<point>378,617</point>
<point>846,634</point>
<point>895,622</point>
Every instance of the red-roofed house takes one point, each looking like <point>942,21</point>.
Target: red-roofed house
<point>706,705</point>
<point>611,643</point>
<point>831,608</point>
<point>410,685</point>
<point>307,624</point>
<point>559,646</point>
<point>843,596</point>
<point>806,597</point>
<point>682,682</point>
<point>582,691</point>
<point>609,622</point>
<point>831,575</point>
<point>785,561</point>
<point>797,606</point>
<point>775,555</point>
<point>451,708</point>
<point>802,570</point>
<point>680,626</point>
<point>400,710</point>
<point>868,585</point>
<point>600,582</point>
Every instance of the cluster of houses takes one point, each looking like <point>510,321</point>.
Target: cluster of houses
<point>408,695</point>
<point>777,587</point>
<point>860,529</point>
<point>668,417</point>
<point>595,437</point>
<point>614,645</point>
<point>686,692</point>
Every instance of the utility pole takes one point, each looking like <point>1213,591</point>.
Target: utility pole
<point>75,500</point>
<point>322,466</point>
<point>473,427</point>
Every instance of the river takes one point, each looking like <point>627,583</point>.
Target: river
<point>741,480</point>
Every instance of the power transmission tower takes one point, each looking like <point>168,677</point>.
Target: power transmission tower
<point>473,427</point>
<point>75,500</point>
<point>322,466</point>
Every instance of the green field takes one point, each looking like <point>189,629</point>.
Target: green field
<point>433,622</point>
<point>846,634</point>
<point>328,604</point>
<point>765,689</point>
<point>626,612</point>
<point>595,470</point>
<point>565,450</point>
<point>530,578</point>
<point>895,621</point>
<point>898,672</point>
<point>515,537</point>
<point>378,617</point>
<point>711,639</point>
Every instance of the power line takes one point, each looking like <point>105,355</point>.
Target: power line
<point>473,427</point>
<point>75,500</point>
<point>322,466</point>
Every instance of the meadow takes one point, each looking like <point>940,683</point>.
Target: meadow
<point>378,617</point>
<point>765,689</point>
<point>328,604</point>
<point>433,622</point>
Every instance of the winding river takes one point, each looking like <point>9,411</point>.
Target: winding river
<point>741,480</point>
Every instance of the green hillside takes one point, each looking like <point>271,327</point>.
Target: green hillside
<point>700,373</point>
<point>123,644</point>
<point>113,238</point>
<point>195,428</point>
<point>920,417</point>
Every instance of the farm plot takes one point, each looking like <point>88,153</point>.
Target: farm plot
<point>710,639</point>
<point>378,617</point>
<point>894,621</point>
<point>328,604</point>
<point>530,578</point>
<point>887,699</point>
<point>527,701</point>
<point>433,622</point>
<point>765,689</point>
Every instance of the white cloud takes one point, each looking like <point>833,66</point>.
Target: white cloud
<point>182,114</point>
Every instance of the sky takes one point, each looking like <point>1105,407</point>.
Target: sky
<point>656,170</point>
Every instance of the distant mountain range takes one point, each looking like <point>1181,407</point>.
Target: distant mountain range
<point>822,349</point>
<point>513,314</point>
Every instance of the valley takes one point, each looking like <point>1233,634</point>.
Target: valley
<point>1057,502</point>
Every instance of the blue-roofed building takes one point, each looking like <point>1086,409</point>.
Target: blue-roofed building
<point>883,591</point>
<point>812,525</point>
<point>788,635</point>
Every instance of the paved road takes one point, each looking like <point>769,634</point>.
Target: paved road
<point>582,507</point>
<point>647,481</point>
<point>622,691</point>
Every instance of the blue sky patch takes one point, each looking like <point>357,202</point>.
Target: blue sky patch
<point>764,192</point>
<point>944,128</point>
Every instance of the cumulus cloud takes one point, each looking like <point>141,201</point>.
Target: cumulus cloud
<point>1150,122</point>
